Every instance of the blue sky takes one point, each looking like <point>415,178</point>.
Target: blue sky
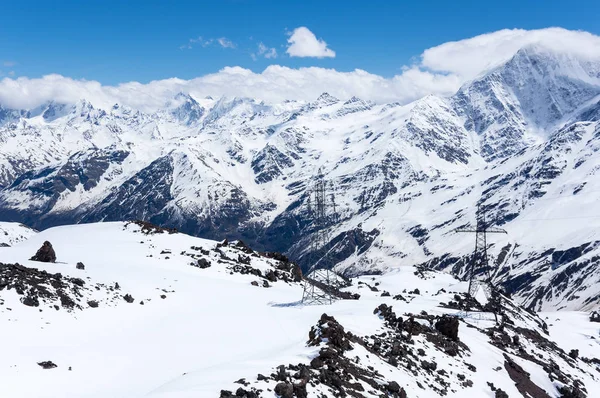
<point>120,41</point>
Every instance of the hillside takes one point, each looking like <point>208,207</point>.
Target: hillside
<point>162,314</point>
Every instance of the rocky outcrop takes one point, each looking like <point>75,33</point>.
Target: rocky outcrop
<point>45,254</point>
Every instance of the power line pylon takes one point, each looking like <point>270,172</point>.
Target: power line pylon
<point>479,261</point>
<point>319,240</point>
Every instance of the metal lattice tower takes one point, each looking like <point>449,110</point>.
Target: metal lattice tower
<point>317,291</point>
<point>479,261</point>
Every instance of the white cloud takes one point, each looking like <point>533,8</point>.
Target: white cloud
<point>470,57</point>
<point>441,70</point>
<point>225,42</point>
<point>267,52</point>
<point>9,64</point>
<point>304,43</point>
<point>200,41</point>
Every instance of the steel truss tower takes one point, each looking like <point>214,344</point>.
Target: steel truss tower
<point>316,289</point>
<point>479,261</point>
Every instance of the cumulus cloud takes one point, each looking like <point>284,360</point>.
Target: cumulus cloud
<point>471,57</point>
<point>441,70</point>
<point>303,43</point>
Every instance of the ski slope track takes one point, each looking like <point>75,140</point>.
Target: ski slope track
<point>521,141</point>
<point>133,310</point>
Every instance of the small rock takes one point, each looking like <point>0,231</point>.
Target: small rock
<point>574,354</point>
<point>93,303</point>
<point>80,265</point>
<point>128,298</point>
<point>47,365</point>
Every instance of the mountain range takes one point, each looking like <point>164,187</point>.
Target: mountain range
<point>520,143</point>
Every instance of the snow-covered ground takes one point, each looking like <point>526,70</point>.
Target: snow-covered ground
<point>12,233</point>
<point>214,326</point>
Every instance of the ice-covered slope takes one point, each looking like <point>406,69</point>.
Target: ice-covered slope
<point>162,314</point>
<point>13,233</point>
<point>521,141</point>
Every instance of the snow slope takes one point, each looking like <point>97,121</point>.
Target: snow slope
<point>12,233</point>
<point>213,326</point>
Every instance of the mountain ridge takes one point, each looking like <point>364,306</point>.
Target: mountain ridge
<point>404,176</point>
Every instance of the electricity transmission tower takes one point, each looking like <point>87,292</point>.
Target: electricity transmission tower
<point>317,289</point>
<point>479,261</point>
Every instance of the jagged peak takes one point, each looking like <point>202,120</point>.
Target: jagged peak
<point>327,98</point>
<point>353,100</point>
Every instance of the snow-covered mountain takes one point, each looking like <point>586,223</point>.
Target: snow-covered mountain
<point>522,141</point>
<point>132,310</point>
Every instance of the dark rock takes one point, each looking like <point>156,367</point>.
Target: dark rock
<point>574,354</point>
<point>78,281</point>
<point>500,394</point>
<point>448,326</point>
<point>93,303</point>
<point>203,263</point>
<point>47,365</point>
<point>129,298</point>
<point>45,254</point>
<point>80,265</point>
<point>316,363</point>
<point>284,390</point>
<point>31,301</point>
<point>300,390</point>
<point>393,387</point>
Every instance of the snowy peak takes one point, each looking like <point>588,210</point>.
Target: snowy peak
<point>55,111</point>
<point>519,102</point>
<point>323,101</point>
<point>549,86</point>
<point>354,105</point>
<point>186,110</point>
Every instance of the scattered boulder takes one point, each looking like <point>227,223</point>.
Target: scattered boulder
<point>45,254</point>
<point>31,301</point>
<point>574,354</point>
<point>80,265</point>
<point>448,326</point>
<point>500,394</point>
<point>47,365</point>
<point>93,303</point>
<point>129,298</point>
<point>284,390</point>
<point>202,263</point>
